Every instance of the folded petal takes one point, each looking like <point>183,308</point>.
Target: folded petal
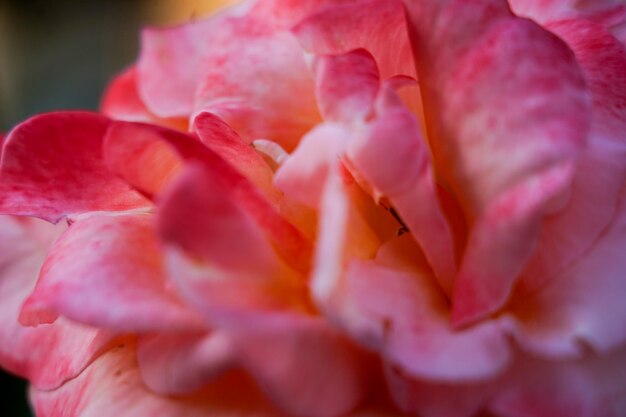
<point>218,255</point>
<point>369,24</point>
<point>112,385</point>
<point>302,365</point>
<point>404,315</point>
<point>106,271</point>
<point>491,96</point>
<point>165,151</point>
<point>582,307</point>
<point>223,140</point>
<point>48,355</point>
<point>256,79</point>
<point>121,101</point>
<point>346,85</point>
<point>52,167</point>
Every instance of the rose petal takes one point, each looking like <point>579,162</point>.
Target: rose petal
<point>48,355</point>
<point>303,174</point>
<point>593,386</point>
<point>305,367</point>
<point>223,140</point>
<point>583,306</point>
<point>185,363</point>
<point>112,385</point>
<point>106,261</point>
<point>67,176</point>
<point>121,101</point>
<point>346,85</point>
<point>544,11</point>
<point>169,67</point>
<point>280,103</point>
<point>601,172</point>
<point>491,97</point>
<point>163,149</point>
<point>218,255</point>
<point>370,24</point>
<point>405,317</point>
<point>392,157</point>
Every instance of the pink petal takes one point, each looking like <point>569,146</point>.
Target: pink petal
<point>48,355</point>
<point>198,213</point>
<point>106,261</point>
<point>304,366</point>
<point>218,254</point>
<point>52,167</point>
<point>343,234</point>
<point>392,157</point>
<point>303,174</point>
<point>544,11</point>
<point>299,362</point>
<point>491,97</point>
<point>584,305</point>
<point>257,81</point>
<point>601,172</point>
<point>346,85</point>
<point>283,14</point>
<point>112,385</point>
<point>589,387</point>
<point>168,69</point>
<point>185,363</point>
<point>156,153</point>
<point>370,24</point>
<point>405,317</point>
<point>121,101</point>
<point>223,140</point>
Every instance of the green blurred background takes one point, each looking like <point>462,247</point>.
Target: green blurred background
<point>60,55</point>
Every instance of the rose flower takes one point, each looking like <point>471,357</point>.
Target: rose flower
<point>331,208</point>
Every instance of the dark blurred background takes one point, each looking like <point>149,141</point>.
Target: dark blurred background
<point>60,54</point>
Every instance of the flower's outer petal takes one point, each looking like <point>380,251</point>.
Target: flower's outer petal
<point>607,12</point>
<point>48,355</point>
<point>257,80</point>
<point>104,261</point>
<point>224,141</point>
<point>121,101</point>
<point>168,68</point>
<point>370,24</point>
<point>582,307</point>
<point>305,367</point>
<point>52,167</point>
<point>590,387</point>
<point>567,233</point>
<point>497,88</point>
<point>112,385</point>
<point>166,151</point>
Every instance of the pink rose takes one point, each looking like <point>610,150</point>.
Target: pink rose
<point>326,208</point>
